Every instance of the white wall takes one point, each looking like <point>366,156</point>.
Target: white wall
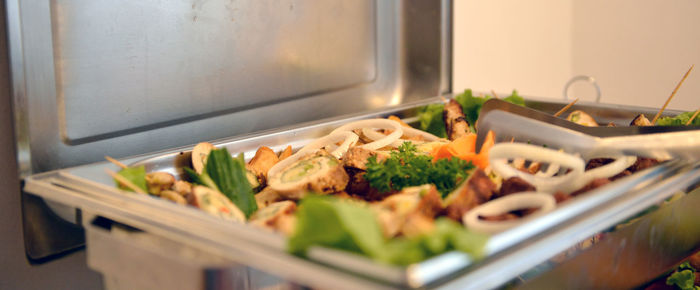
<point>637,50</point>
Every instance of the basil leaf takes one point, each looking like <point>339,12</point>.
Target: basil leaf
<point>201,179</point>
<point>229,176</point>
<point>137,176</point>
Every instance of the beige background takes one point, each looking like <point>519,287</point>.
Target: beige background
<point>637,50</point>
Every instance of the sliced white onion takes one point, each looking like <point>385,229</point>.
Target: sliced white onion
<point>544,201</point>
<point>407,131</point>
<point>552,169</point>
<point>500,153</point>
<point>375,123</point>
<point>348,138</point>
<point>608,170</point>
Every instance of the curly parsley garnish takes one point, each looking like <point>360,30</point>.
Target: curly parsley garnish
<point>406,167</point>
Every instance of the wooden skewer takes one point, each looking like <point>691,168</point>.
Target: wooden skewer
<point>692,117</point>
<point>444,100</point>
<point>494,94</point>
<point>125,182</point>
<point>565,108</point>
<point>671,96</point>
<point>116,162</point>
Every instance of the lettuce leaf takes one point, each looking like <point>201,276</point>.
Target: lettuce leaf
<point>137,176</point>
<point>335,223</point>
<point>471,105</point>
<point>342,224</point>
<point>430,118</point>
<point>679,120</point>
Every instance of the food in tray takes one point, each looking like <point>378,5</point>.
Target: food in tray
<point>383,189</point>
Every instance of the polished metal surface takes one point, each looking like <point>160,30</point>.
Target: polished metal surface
<point>94,78</point>
<point>510,253</point>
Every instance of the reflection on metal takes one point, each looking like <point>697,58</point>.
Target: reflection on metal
<point>634,253</point>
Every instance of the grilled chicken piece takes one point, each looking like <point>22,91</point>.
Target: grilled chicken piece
<point>513,185</point>
<point>356,157</point>
<point>286,153</point>
<point>581,118</point>
<point>455,124</point>
<point>355,163</point>
<point>409,212</point>
<point>476,190</point>
<point>640,120</point>
<point>263,160</point>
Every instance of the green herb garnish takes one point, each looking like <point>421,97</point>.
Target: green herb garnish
<point>683,277</point>
<point>406,167</point>
<point>227,175</point>
<point>137,176</point>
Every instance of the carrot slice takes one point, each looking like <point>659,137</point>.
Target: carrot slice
<point>464,147</point>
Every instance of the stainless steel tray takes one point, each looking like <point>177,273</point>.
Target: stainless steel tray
<point>510,253</point>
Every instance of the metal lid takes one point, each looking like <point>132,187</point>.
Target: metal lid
<point>91,78</point>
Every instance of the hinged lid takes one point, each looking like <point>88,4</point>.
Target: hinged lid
<point>92,78</point>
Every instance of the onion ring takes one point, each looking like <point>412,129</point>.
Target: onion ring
<point>375,123</point>
<point>499,154</point>
<point>544,201</point>
<point>374,135</point>
<point>621,163</point>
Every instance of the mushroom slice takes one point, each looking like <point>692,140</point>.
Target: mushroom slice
<point>581,118</point>
<point>319,172</point>
<point>173,196</point>
<point>215,203</point>
<point>159,181</point>
<point>640,120</point>
<point>200,154</point>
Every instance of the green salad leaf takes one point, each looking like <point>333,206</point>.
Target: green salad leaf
<point>346,225</point>
<point>228,176</point>
<point>405,167</point>
<point>448,235</point>
<point>430,118</point>
<point>471,105</point>
<point>514,98</point>
<point>683,277</point>
<point>679,120</point>
<point>335,223</point>
<point>137,176</point>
